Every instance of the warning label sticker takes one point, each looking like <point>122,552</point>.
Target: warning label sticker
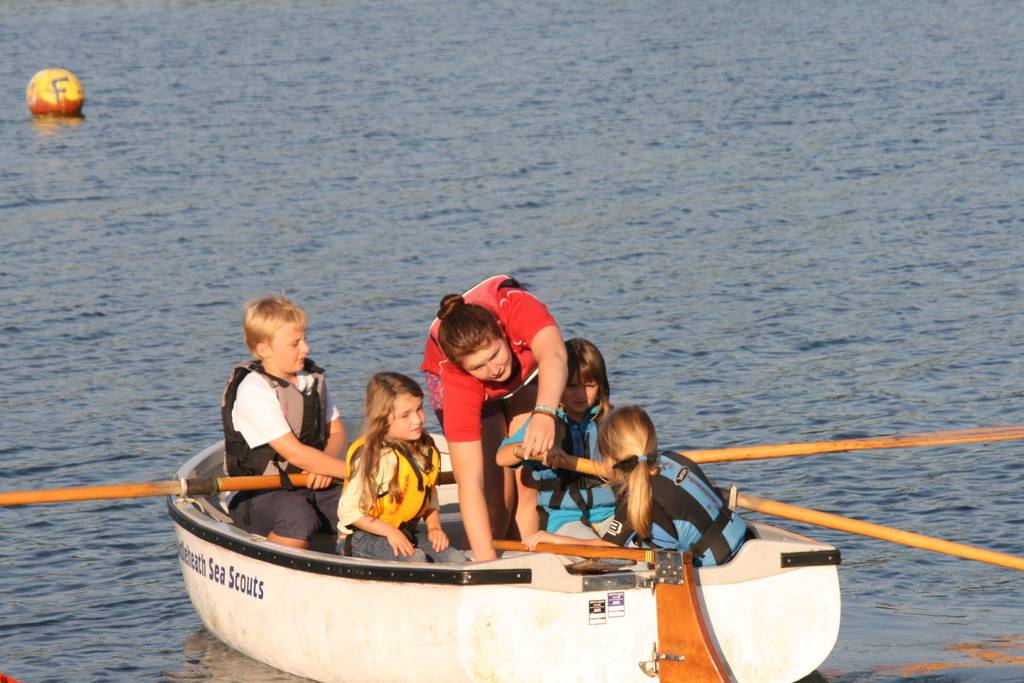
<point>616,604</point>
<point>598,612</point>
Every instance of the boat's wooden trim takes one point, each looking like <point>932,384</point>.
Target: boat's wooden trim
<point>686,652</point>
<point>353,569</point>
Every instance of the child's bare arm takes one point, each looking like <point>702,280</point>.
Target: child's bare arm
<point>535,538</point>
<point>511,455</point>
<point>435,534</point>
<point>506,456</point>
<point>337,441</point>
<point>400,544</point>
<point>307,458</point>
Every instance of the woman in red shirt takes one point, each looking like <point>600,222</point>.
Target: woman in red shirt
<point>494,356</point>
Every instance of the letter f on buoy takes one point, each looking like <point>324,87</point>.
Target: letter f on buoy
<point>55,92</point>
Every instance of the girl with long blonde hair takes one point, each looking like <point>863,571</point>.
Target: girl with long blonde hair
<point>394,467</point>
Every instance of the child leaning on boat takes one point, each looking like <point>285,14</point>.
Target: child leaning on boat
<point>568,502</point>
<point>278,417</point>
<point>663,500</point>
<point>394,467</point>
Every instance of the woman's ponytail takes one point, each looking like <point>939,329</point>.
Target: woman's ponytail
<point>448,304</point>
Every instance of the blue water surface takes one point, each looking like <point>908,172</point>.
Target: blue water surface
<point>779,221</point>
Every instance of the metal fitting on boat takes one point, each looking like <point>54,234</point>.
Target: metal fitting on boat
<point>668,567</point>
<point>650,666</point>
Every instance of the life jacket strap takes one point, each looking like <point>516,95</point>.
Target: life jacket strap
<point>568,480</point>
<point>671,502</point>
<point>713,539</point>
<point>282,473</point>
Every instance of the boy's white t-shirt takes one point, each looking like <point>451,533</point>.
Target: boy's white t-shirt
<point>257,413</point>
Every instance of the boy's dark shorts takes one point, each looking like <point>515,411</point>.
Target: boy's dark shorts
<point>292,514</point>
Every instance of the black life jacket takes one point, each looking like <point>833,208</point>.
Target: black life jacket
<point>687,513</point>
<point>306,414</point>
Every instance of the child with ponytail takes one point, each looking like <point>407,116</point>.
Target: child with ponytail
<point>394,467</point>
<point>663,500</point>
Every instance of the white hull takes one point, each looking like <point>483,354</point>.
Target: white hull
<point>521,618</point>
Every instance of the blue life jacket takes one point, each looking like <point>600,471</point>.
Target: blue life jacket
<point>565,496</point>
<point>688,513</point>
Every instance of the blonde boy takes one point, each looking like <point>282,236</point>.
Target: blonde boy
<point>278,417</point>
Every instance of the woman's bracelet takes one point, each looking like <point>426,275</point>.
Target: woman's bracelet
<point>545,410</point>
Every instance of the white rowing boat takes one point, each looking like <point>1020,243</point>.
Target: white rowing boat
<point>772,612</point>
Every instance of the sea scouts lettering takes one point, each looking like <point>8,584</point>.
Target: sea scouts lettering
<point>236,580</point>
<point>250,585</point>
<point>218,573</point>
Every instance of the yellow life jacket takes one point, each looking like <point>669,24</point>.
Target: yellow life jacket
<point>415,484</point>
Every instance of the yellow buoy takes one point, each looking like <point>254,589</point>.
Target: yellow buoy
<point>55,91</point>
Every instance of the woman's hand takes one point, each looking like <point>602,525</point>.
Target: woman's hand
<point>438,539</point>
<point>400,544</point>
<point>552,374</point>
<point>468,466</point>
<point>540,436</point>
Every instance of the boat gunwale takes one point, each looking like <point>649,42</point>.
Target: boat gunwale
<point>306,560</point>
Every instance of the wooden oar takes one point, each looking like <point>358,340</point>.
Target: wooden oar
<point>799,514</point>
<point>885,533</point>
<point>201,486</point>
<point>597,552</point>
<point>783,450</point>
